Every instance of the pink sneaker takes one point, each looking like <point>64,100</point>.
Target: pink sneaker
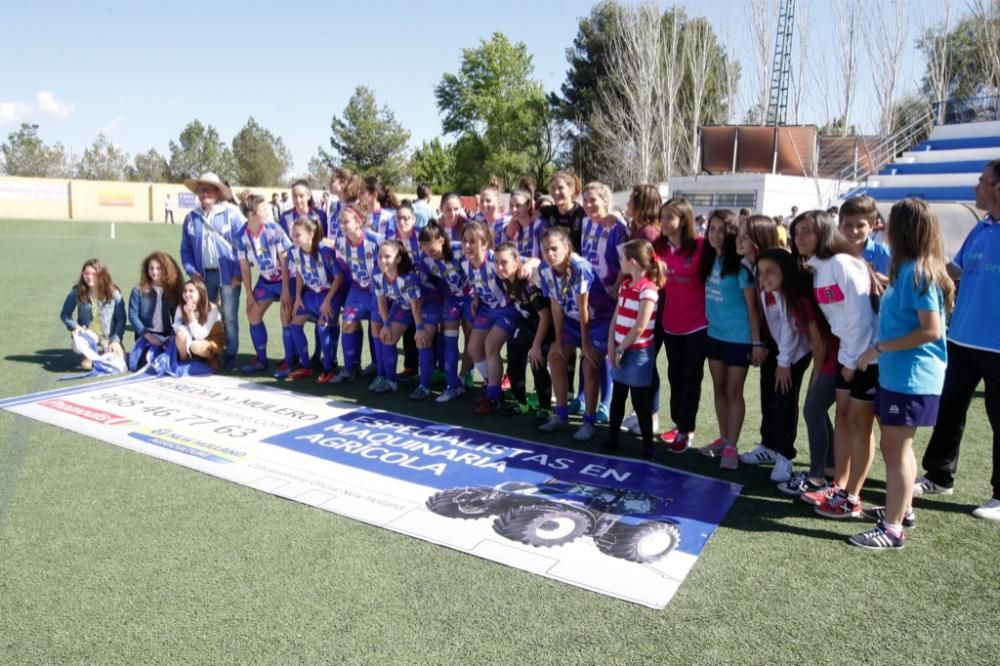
<point>713,450</point>
<point>730,458</point>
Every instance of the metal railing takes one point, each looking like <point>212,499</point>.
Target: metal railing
<point>869,158</point>
<point>966,110</point>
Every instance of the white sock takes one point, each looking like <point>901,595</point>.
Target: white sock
<point>481,368</point>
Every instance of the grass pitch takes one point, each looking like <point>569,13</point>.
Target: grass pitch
<point>109,557</point>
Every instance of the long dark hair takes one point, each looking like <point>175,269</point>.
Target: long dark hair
<point>104,286</point>
<point>681,207</point>
<point>829,243</point>
<point>731,260</point>
<point>796,284</point>
<point>433,232</point>
<point>171,280</point>
<point>405,265</point>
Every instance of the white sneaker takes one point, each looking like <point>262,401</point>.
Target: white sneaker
<point>925,486</point>
<point>634,429</point>
<point>989,511</point>
<point>782,471</point>
<point>450,394</point>
<point>554,423</point>
<point>759,456</point>
<point>585,432</point>
<point>630,421</point>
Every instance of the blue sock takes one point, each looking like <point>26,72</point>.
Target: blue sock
<point>390,357</point>
<point>451,359</point>
<point>334,330</point>
<point>377,355</point>
<point>590,418</point>
<point>579,385</point>
<point>371,344</point>
<point>316,341</point>
<point>258,335</point>
<point>493,392</point>
<point>426,366</point>
<point>352,349</point>
<point>323,332</point>
<point>439,345</point>
<point>301,344</point>
<point>606,380</point>
<point>288,343</point>
<point>562,411</point>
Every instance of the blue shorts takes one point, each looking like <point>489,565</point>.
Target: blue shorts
<point>733,354</point>
<point>598,334</point>
<point>431,308</point>
<point>265,290</point>
<point>359,304</point>
<point>906,409</point>
<point>505,319</point>
<point>311,302</point>
<point>635,367</point>
<point>398,314</point>
<point>453,309</point>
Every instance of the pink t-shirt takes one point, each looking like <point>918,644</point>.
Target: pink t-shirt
<point>650,232</point>
<point>684,302</point>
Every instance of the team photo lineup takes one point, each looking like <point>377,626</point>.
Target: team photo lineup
<point>834,308</point>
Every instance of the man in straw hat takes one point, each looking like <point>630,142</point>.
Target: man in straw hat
<point>208,238</point>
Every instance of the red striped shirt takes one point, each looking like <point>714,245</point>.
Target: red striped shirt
<point>629,297</point>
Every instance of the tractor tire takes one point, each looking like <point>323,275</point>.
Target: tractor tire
<point>542,526</point>
<point>463,503</point>
<point>644,543</point>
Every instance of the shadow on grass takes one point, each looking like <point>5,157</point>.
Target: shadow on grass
<point>51,360</point>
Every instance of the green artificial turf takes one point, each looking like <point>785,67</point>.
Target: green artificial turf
<point>111,557</point>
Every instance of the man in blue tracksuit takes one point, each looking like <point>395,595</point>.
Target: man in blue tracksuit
<point>208,252</point>
<point>973,351</point>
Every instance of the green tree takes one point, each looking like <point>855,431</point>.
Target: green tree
<point>368,139</point>
<point>149,167</point>
<point>320,171</point>
<point>494,99</point>
<point>434,163</point>
<point>25,154</point>
<point>103,160</point>
<point>260,157</point>
<point>199,149</point>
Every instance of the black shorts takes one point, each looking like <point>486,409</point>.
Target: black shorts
<point>863,387</point>
<point>733,354</point>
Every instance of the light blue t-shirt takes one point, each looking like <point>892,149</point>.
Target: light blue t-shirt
<point>726,306</point>
<point>973,322</point>
<point>920,370</point>
<point>877,255</point>
<point>423,213</point>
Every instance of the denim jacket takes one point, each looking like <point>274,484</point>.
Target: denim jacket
<point>193,233</point>
<point>111,314</point>
<point>141,306</point>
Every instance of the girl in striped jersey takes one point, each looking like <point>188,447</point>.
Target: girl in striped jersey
<point>418,342</point>
<point>346,187</point>
<point>357,252</point>
<point>452,219</point>
<point>492,313</point>
<point>319,283</point>
<point>265,244</point>
<point>382,203</point>
<point>442,259</point>
<point>522,228</point>
<point>601,235</point>
<point>397,290</point>
<point>630,341</point>
<point>581,314</point>
<point>490,212</point>
<point>303,205</point>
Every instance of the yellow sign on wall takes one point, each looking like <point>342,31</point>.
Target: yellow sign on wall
<point>117,198</point>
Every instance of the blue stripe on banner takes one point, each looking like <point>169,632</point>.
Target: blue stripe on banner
<point>58,393</point>
<point>445,457</point>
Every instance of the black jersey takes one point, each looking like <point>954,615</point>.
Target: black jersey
<point>571,221</point>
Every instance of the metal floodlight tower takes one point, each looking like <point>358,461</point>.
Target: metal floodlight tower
<point>781,74</point>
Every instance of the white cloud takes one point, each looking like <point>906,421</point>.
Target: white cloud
<point>14,112</point>
<point>113,124</point>
<point>50,106</point>
<point>46,104</point>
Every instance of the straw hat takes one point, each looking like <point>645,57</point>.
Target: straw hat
<point>209,178</point>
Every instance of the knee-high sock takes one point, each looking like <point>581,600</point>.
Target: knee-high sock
<point>371,345</point>
<point>352,350</point>
<point>301,344</point>
<point>316,340</point>
<point>289,344</point>
<point>326,353</point>
<point>334,331</point>
<point>390,356</point>
<point>426,366</point>
<point>580,395</point>
<point>377,355</point>
<point>606,382</point>
<point>439,351</point>
<point>258,335</point>
<point>451,358</point>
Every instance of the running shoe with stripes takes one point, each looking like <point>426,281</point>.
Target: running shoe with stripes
<point>819,495</point>
<point>782,470</point>
<point>730,458</point>
<point>877,513</point>
<point>679,444</point>
<point>924,486</point>
<point>839,506</point>
<point>798,484</point>
<point>759,456</point>
<point>877,538</point>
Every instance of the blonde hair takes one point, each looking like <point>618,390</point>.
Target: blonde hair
<point>915,235</point>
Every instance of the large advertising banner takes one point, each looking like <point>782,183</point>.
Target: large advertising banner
<point>612,525</point>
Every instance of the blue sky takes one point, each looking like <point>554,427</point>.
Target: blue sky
<point>139,71</point>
